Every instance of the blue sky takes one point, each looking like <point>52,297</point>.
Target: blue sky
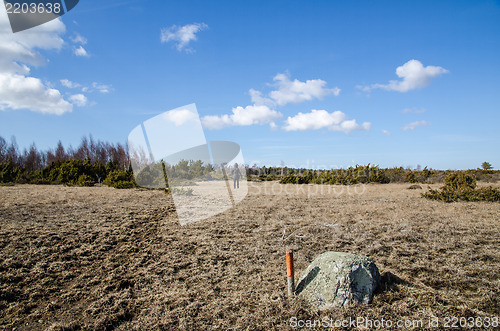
<point>310,83</point>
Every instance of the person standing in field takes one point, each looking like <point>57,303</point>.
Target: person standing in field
<point>236,174</point>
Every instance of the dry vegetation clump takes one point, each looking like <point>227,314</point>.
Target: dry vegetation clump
<point>415,187</point>
<point>96,258</point>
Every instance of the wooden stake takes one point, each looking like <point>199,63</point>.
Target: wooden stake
<point>228,186</point>
<point>290,272</point>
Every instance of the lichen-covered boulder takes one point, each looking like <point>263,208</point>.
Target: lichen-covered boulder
<point>336,279</point>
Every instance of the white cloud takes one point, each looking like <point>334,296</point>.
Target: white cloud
<point>21,47</point>
<point>296,91</point>
<point>386,132</point>
<point>253,114</point>
<point>181,35</point>
<point>413,125</point>
<point>289,91</point>
<point>69,84</point>
<point>101,87</point>
<point>414,110</point>
<point>79,100</point>
<point>262,111</point>
<point>258,99</point>
<point>80,51</point>
<point>414,76</point>
<point>18,90</point>
<point>78,39</point>
<point>319,119</point>
<point>21,92</point>
<point>179,117</point>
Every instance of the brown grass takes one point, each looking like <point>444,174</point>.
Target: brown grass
<point>100,258</point>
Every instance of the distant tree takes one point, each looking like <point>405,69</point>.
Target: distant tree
<point>93,148</point>
<point>101,153</point>
<point>196,169</point>
<point>13,152</point>
<point>60,154</point>
<point>3,149</point>
<point>83,151</point>
<point>32,159</point>
<point>122,157</point>
<point>100,171</point>
<point>486,166</point>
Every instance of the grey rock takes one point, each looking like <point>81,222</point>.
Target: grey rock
<point>336,279</point>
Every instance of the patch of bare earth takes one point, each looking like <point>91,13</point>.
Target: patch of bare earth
<point>100,258</point>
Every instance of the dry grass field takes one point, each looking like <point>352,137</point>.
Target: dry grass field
<point>100,258</point>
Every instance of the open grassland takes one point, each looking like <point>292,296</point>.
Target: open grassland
<point>100,258</point>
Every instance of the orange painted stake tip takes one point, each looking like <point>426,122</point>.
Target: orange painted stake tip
<point>289,264</point>
<point>290,272</point>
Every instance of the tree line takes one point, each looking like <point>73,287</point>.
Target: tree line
<point>93,161</point>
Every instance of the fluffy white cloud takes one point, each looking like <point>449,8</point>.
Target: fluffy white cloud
<point>80,51</point>
<point>69,84</point>
<point>415,124</point>
<point>179,117</point>
<point>296,91</point>
<point>21,47</point>
<point>258,99</point>
<point>79,100</point>
<point>21,92</point>
<point>262,111</point>
<point>386,132</point>
<point>413,76</point>
<point>78,39</point>
<point>19,51</point>
<point>253,114</point>
<point>181,35</point>
<point>319,119</point>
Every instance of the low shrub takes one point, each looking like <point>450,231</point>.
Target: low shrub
<point>349,176</point>
<point>85,180</point>
<point>411,177</point>
<point>120,179</point>
<point>9,173</point>
<point>462,186</point>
